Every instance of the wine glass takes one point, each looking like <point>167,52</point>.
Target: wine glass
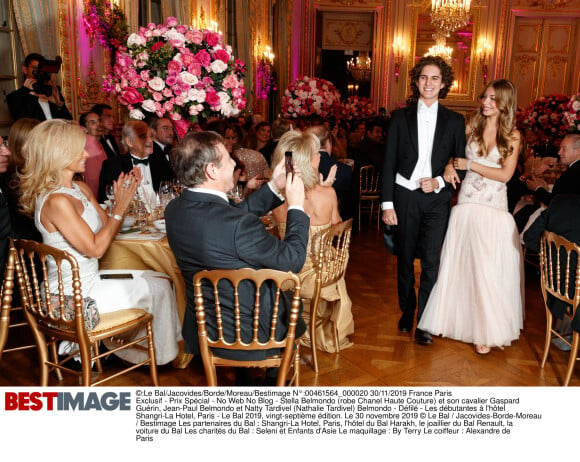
<point>165,193</point>
<point>177,187</point>
<point>141,217</point>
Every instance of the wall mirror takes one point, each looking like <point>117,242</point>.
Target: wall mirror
<point>462,44</point>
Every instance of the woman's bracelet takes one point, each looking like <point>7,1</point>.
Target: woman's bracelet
<point>116,217</point>
<point>469,165</point>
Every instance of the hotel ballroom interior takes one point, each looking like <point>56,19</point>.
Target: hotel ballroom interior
<point>366,48</point>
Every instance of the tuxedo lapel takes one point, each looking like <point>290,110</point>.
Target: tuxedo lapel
<point>411,116</point>
<point>440,131</point>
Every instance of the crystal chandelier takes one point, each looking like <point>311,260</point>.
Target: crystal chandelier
<point>450,15</point>
<point>360,68</point>
<point>440,49</point>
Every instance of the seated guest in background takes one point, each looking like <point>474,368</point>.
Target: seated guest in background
<point>258,136</point>
<point>154,168</point>
<point>108,140</point>
<point>163,136</point>
<point>4,212</point>
<point>70,219</point>
<point>321,205</point>
<point>371,149</point>
<point>22,224</point>
<point>343,178</point>
<point>91,122</point>
<point>279,127</point>
<point>40,103</point>
<point>568,182</point>
<point>206,232</point>
<point>253,162</point>
<point>563,218</point>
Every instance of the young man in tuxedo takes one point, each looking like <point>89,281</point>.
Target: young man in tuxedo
<point>206,231</point>
<point>108,141</point>
<point>27,103</point>
<point>421,139</point>
<point>154,168</point>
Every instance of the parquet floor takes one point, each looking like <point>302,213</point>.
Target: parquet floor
<point>380,356</point>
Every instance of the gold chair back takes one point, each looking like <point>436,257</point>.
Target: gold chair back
<point>330,258</point>
<point>283,281</point>
<point>560,279</point>
<point>53,317</point>
<point>369,193</point>
<point>9,313</point>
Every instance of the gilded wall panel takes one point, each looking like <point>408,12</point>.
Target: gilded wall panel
<point>347,31</point>
<point>558,38</point>
<point>527,37</point>
<point>523,74</point>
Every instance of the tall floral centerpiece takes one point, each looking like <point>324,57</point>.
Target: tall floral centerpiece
<point>308,96</point>
<point>572,115</point>
<point>107,22</point>
<point>545,116</point>
<point>358,107</point>
<point>179,72</point>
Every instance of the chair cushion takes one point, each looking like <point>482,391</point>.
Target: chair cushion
<point>115,318</point>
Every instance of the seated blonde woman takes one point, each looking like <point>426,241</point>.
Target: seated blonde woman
<point>321,205</point>
<point>69,218</point>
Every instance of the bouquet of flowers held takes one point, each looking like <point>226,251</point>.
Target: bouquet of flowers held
<point>177,71</point>
<point>357,107</point>
<point>310,95</point>
<point>572,115</point>
<point>545,115</point>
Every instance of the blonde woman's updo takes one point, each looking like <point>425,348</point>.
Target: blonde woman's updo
<point>303,146</point>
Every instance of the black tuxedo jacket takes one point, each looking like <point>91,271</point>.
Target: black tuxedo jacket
<point>343,181</point>
<point>22,104</point>
<point>111,152</point>
<point>160,171</point>
<point>568,183</point>
<point>402,147</point>
<point>206,232</point>
<point>561,217</point>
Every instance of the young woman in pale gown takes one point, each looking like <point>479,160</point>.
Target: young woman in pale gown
<point>321,205</point>
<point>478,297</point>
<point>69,218</point>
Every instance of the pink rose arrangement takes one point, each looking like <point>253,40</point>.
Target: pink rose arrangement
<point>179,72</point>
<point>358,107</point>
<point>572,115</point>
<point>310,95</point>
<point>546,115</point>
<point>266,80</point>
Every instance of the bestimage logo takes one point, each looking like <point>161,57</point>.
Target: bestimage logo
<point>64,401</point>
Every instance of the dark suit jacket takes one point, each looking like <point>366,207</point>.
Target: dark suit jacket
<point>568,183</point>
<point>4,233</point>
<point>402,148</point>
<point>22,104</point>
<point>561,217</point>
<point>160,171</point>
<point>343,184</point>
<point>116,151</point>
<point>206,232</point>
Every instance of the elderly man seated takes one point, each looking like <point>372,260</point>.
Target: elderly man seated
<point>205,231</point>
<point>155,168</point>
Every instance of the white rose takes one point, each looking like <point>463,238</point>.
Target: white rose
<point>188,78</point>
<point>218,66</point>
<point>136,40</point>
<point>227,109</point>
<point>172,34</point>
<point>193,94</point>
<point>224,97</point>
<point>157,84</point>
<point>136,114</point>
<point>148,105</point>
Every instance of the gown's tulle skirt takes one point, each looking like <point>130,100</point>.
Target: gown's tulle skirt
<point>478,297</point>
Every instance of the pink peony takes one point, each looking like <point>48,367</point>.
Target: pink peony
<point>212,38</point>
<point>203,58</point>
<point>222,55</point>
<point>132,96</point>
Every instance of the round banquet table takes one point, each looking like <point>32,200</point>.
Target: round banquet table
<point>143,254</point>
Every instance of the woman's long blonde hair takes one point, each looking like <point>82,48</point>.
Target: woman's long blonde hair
<point>50,147</point>
<point>303,146</point>
<point>506,103</point>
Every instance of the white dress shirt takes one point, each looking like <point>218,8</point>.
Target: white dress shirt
<point>426,123</point>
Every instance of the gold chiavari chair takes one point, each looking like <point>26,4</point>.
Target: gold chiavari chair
<point>227,287</point>
<point>369,194</point>
<point>330,257</point>
<point>66,318</point>
<point>560,281</point>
